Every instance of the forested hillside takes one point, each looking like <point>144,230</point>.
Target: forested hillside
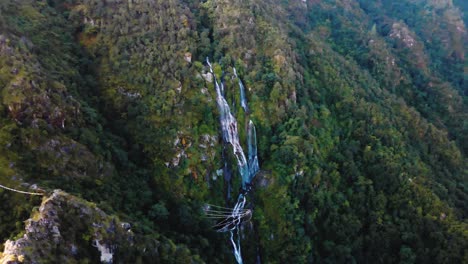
<point>360,108</point>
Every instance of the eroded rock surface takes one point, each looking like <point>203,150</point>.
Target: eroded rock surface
<point>67,229</point>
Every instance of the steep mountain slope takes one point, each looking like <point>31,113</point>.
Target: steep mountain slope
<point>360,108</point>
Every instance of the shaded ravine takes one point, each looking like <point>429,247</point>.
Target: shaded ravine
<point>248,168</point>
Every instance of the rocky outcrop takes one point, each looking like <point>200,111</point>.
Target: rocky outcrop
<point>67,229</point>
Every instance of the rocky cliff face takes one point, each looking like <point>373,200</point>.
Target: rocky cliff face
<point>67,229</point>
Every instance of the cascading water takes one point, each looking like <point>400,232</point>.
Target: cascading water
<point>252,145</point>
<point>230,132</point>
<point>233,218</point>
<point>243,100</point>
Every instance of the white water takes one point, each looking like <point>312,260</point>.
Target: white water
<point>243,99</point>
<point>247,168</point>
<point>230,131</point>
<point>252,144</point>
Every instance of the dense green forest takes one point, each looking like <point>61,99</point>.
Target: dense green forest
<point>361,108</point>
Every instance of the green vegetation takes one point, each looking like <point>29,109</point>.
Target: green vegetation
<point>360,107</point>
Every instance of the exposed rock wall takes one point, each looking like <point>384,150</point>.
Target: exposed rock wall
<point>67,229</point>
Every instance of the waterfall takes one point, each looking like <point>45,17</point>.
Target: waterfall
<point>243,99</point>
<point>252,145</point>
<point>236,245</point>
<point>247,168</point>
<point>230,131</point>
